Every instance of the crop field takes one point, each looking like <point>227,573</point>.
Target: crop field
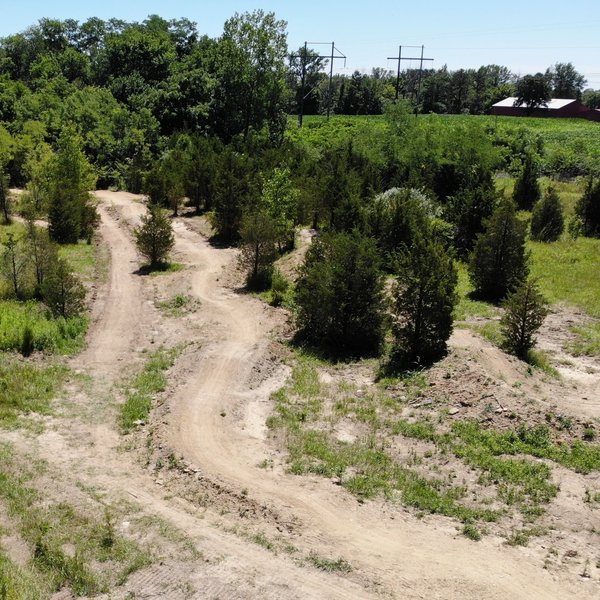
<point>571,147</point>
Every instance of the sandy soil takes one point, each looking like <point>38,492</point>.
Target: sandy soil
<point>212,421</point>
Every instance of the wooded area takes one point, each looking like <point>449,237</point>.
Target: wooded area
<point>155,107</point>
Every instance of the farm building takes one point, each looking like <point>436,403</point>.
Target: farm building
<point>557,107</point>
<point>593,115</point>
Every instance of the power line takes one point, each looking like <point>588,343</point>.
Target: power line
<point>421,59</point>
<point>332,57</point>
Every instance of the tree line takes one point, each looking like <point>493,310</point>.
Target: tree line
<point>154,107</point>
<point>441,91</point>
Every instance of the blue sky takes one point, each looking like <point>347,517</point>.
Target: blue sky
<point>526,35</point>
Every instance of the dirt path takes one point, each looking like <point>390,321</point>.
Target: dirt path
<point>113,333</point>
<point>209,427</point>
<point>87,451</point>
<point>216,421</point>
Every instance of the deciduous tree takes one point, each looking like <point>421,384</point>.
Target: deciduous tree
<point>533,91</point>
<point>259,235</point>
<point>565,80</point>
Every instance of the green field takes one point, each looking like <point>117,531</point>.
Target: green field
<point>571,147</point>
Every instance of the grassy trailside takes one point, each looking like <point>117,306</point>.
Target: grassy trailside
<point>69,548</point>
<point>49,334</point>
<point>141,390</point>
<point>336,430</point>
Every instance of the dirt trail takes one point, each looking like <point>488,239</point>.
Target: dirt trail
<point>415,559</point>
<point>113,335</point>
<point>229,567</point>
<point>215,423</point>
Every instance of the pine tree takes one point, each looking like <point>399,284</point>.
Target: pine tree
<point>587,209</point>
<point>527,189</point>
<point>62,291</point>
<point>424,298</point>
<point>467,211</point>
<point>13,266</point>
<point>340,295</point>
<point>154,237</point>
<point>547,219</point>
<point>259,235</point>
<point>71,214</point>
<point>395,218</point>
<point>524,312</point>
<point>498,262</point>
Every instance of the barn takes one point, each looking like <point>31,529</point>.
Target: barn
<point>557,107</point>
<point>592,115</point>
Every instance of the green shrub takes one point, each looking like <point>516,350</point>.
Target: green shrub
<point>27,341</point>
<point>279,287</point>
<point>547,219</point>
<point>499,261</point>
<point>470,531</point>
<point>524,312</point>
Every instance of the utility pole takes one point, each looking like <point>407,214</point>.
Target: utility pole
<point>421,59</point>
<point>304,56</point>
<point>301,108</point>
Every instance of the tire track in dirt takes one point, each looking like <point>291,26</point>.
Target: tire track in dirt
<point>116,312</point>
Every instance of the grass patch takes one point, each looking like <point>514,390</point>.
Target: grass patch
<point>62,336</point>
<point>539,359</point>
<point>567,272</point>
<point>15,228</point>
<point>364,467</point>
<point>140,392</point>
<point>471,531</point>
<point>308,411</point>
<point>27,388</point>
<point>82,258</point>
<point>69,548</point>
<point>588,342</point>
<point>17,583</point>
<point>477,443</point>
<point>161,269</point>
<point>338,565</point>
<point>467,308</point>
<point>491,332</point>
<point>521,537</point>
<point>177,305</point>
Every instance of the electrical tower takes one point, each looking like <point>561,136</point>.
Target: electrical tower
<point>421,59</point>
<point>335,54</point>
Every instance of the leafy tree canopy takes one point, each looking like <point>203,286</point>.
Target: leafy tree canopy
<point>533,91</point>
